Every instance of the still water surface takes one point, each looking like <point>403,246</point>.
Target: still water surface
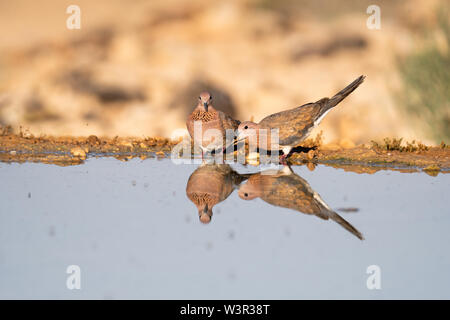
<point>134,230</point>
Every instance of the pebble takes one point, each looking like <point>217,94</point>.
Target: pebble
<point>78,152</point>
<point>92,139</point>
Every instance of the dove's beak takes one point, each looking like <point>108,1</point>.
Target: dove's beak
<point>205,104</point>
<point>204,216</point>
<point>239,136</point>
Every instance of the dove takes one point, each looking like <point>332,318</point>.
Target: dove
<point>295,125</point>
<point>284,188</point>
<point>210,184</point>
<point>210,119</point>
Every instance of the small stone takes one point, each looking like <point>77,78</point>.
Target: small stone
<point>311,166</point>
<point>27,135</point>
<point>13,152</point>
<point>253,156</point>
<point>432,170</point>
<point>78,152</point>
<point>93,139</point>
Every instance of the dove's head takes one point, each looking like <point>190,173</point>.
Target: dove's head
<point>248,191</point>
<point>246,129</point>
<point>205,214</point>
<point>204,100</point>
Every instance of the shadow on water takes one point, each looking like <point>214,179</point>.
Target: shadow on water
<point>211,184</point>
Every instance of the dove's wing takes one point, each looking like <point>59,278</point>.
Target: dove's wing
<point>291,191</point>
<point>228,122</point>
<point>327,213</point>
<point>294,124</point>
<point>190,125</point>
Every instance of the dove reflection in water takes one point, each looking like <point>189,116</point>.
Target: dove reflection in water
<point>284,188</point>
<point>210,184</point>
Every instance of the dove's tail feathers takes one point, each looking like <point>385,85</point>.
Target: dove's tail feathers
<point>345,224</point>
<point>329,103</point>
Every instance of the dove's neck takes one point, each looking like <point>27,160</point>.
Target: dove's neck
<point>208,108</point>
<point>201,114</point>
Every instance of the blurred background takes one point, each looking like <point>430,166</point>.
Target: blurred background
<point>135,68</point>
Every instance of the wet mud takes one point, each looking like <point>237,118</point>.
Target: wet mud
<point>65,151</point>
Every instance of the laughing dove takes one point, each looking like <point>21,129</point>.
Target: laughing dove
<point>210,184</point>
<point>294,125</point>
<point>210,118</point>
<point>284,188</point>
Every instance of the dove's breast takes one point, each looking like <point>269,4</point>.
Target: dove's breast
<point>210,133</point>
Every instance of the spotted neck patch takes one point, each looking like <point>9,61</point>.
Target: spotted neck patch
<point>202,116</point>
<point>203,198</point>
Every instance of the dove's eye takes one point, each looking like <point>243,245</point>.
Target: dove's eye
<point>246,127</point>
<point>246,195</point>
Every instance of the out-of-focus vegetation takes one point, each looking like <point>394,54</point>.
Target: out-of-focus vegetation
<point>426,78</point>
<point>395,144</point>
<point>140,74</point>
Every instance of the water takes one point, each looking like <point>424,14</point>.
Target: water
<point>134,233</point>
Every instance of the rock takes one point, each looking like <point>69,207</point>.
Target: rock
<point>432,170</point>
<point>311,166</point>
<point>27,135</point>
<point>253,156</point>
<point>92,139</point>
<point>78,152</point>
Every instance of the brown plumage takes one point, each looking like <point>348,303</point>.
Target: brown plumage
<point>294,125</point>
<point>210,119</point>
<point>286,189</point>
<point>210,184</point>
